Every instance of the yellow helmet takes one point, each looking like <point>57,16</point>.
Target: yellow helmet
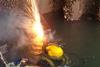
<point>54,51</point>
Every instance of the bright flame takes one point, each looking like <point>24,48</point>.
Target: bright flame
<point>37,26</point>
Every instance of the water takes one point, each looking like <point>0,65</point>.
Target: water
<point>82,42</point>
<point>81,38</point>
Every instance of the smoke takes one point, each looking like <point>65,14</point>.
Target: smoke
<point>15,26</point>
<point>15,18</point>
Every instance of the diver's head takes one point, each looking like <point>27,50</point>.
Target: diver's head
<point>54,51</point>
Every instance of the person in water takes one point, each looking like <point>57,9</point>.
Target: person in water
<point>53,56</point>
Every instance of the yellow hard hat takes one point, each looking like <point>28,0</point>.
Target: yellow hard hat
<point>54,51</point>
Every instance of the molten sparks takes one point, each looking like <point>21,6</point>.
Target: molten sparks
<point>37,26</point>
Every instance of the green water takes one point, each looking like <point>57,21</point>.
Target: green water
<point>82,44</point>
<point>82,40</point>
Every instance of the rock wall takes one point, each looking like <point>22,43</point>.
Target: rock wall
<point>99,14</point>
<point>77,9</point>
<point>74,9</point>
<point>87,9</point>
<point>99,11</point>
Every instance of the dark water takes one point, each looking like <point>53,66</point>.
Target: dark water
<point>81,38</point>
<point>82,43</point>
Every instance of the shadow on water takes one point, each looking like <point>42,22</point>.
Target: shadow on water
<point>82,40</point>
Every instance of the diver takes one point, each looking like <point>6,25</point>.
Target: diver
<point>53,56</point>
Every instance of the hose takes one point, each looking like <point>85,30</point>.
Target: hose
<point>65,61</point>
<point>50,62</point>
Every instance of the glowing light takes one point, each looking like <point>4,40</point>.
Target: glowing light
<point>39,34</point>
<point>37,26</point>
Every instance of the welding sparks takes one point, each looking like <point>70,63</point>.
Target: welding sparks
<point>37,26</point>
